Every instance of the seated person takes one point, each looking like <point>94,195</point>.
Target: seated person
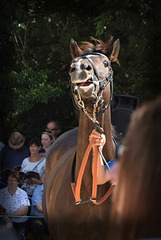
<point>14,201</point>
<point>34,163</point>
<point>47,139</point>
<point>54,128</point>
<point>2,145</point>
<point>13,154</point>
<point>38,225</point>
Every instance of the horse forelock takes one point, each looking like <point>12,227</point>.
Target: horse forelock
<point>98,46</point>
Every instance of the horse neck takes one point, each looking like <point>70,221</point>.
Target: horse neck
<point>85,129</point>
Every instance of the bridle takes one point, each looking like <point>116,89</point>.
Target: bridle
<point>102,84</point>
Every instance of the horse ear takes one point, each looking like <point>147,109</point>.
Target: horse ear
<point>75,49</point>
<point>115,51</point>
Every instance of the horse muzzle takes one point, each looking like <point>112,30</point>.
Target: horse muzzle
<point>84,82</point>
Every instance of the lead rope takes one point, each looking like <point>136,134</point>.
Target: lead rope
<point>93,117</point>
<point>77,186</point>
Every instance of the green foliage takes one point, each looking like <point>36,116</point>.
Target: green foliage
<point>29,87</point>
<point>36,57</point>
<point>132,23</point>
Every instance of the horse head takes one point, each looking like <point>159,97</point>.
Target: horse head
<point>91,66</point>
<point>91,74</point>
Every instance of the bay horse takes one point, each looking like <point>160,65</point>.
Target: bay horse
<point>91,83</point>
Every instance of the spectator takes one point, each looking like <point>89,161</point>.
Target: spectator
<point>4,177</point>
<point>47,139</point>
<point>13,154</point>
<point>136,212</point>
<point>54,128</point>
<point>7,232</point>
<point>2,145</point>
<point>38,226</point>
<point>34,163</point>
<point>15,203</point>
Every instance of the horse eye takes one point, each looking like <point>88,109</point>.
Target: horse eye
<point>105,63</point>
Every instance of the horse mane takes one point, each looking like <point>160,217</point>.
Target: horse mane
<point>98,46</point>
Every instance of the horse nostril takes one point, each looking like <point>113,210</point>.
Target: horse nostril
<point>88,68</point>
<point>72,70</point>
<point>85,66</point>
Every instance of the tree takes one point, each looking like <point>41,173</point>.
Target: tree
<point>36,57</point>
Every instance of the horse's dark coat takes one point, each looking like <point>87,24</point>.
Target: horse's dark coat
<point>66,221</point>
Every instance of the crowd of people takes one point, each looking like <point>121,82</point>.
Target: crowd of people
<point>136,209</point>
<point>22,172</point>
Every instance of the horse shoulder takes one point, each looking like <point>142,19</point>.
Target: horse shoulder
<point>62,148</point>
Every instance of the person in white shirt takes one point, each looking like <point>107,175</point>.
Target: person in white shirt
<point>35,163</point>
<point>15,202</point>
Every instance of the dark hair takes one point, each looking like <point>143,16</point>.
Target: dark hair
<point>36,141</point>
<point>14,174</point>
<point>58,127</point>
<point>136,211</point>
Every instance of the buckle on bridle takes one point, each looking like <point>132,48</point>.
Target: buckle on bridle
<point>86,201</point>
<point>93,199</point>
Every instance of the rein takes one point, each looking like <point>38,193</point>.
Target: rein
<point>76,187</point>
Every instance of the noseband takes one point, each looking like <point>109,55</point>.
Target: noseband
<point>99,97</point>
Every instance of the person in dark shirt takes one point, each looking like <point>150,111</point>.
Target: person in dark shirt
<point>2,145</point>
<point>38,225</point>
<point>13,154</point>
